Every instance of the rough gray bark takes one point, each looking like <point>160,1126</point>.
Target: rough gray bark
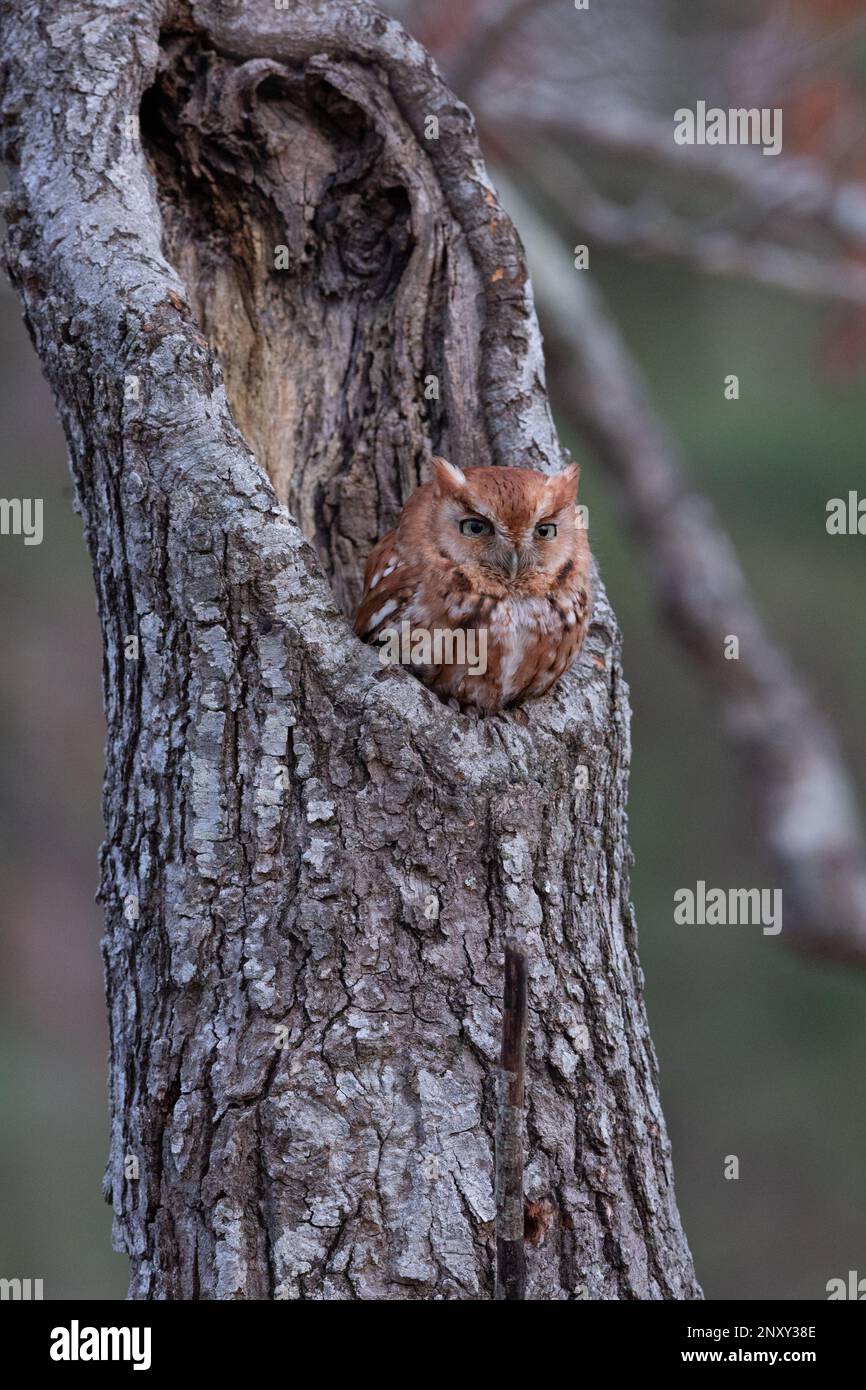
<point>305,1015</point>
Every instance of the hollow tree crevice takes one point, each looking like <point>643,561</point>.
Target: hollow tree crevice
<point>320,260</point>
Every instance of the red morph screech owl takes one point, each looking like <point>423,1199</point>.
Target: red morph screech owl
<point>496,554</point>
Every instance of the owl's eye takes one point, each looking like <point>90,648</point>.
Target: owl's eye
<point>474,526</point>
<point>546,530</point>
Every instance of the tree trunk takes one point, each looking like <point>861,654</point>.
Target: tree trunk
<point>311,866</point>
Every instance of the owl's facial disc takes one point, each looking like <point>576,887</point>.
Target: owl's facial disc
<point>513,523</point>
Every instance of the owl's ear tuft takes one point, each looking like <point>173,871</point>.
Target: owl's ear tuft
<point>562,487</point>
<point>447,477</point>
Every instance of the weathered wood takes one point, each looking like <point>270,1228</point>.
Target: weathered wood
<point>305,1013</point>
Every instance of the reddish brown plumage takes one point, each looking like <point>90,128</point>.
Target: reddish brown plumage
<point>526,591</point>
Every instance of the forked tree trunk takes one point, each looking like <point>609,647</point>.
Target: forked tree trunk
<point>311,866</point>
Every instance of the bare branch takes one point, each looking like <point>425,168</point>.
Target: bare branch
<point>646,229</point>
<point>797,188</point>
<point>797,777</point>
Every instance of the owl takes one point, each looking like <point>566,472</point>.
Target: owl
<point>482,588</point>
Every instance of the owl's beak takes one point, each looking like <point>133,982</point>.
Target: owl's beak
<point>513,564</point>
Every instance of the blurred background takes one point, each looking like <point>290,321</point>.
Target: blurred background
<point>750,265</point>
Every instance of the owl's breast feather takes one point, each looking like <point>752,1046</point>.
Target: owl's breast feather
<point>522,634</point>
